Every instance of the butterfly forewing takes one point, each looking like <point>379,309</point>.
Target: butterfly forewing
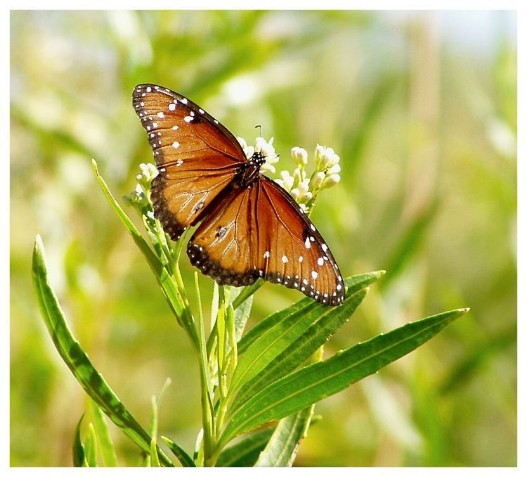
<point>196,157</point>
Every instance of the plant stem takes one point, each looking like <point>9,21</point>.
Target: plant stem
<point>206,390</point>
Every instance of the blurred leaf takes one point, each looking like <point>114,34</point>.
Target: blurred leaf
<point>77,361</point>
<point>407,246</point>
<point>467,367</point>
<point>79,459</point>
<point>281,449</point>
<point>312,383</point>
<point>245,452</point>
<point>106,447</point>
<point>378,99</point>
<point>184,459</point>
<point>90,447</point>
<point>154,456</point>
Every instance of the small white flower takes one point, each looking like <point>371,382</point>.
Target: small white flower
<point>299,155</point>
<point>335,169</point>
<point>147,174</point>
<point>317,180</point>
<point>286,180</point>
<point>295,193</point>
<point>248,150</point>
<point>325,157</point>
<point>331,180</point>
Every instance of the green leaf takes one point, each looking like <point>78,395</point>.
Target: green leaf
<point>151,258</point>
<point>106,447</point>
<point>246,451</point>
<point>315,382</point>
<point>282,447</point>
<point>154,457</point>
<point>79,459</point>
<point>90,447</point>
<point>184,459</point>
<point>78,362</point>
<point>285,339</point>
<point>354,283</point>
<point>301,337</point>
<point>164,276</point>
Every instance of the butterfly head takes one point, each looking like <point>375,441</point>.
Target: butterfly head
<point>262,153</point>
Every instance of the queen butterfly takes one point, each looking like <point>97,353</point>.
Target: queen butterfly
<point>249,226</point>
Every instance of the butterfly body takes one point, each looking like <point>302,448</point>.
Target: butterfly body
<point>248,227</point>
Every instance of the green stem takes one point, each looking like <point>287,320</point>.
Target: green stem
<point>209,433</point>
<point>247,292</point>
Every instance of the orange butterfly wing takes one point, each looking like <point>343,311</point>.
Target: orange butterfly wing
<point>197,158</point>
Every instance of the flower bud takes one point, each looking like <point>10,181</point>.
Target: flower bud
<point>331,180</point>
<point>299,155</point>
<point>317,180</point>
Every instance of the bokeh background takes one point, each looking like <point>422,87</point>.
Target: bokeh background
<point>421,108</point>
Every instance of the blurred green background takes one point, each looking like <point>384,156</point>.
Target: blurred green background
<point>421,108</point>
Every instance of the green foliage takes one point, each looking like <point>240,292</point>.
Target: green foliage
<point>243,388</point>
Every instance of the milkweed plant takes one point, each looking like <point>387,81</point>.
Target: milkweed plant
<point>258,388</point>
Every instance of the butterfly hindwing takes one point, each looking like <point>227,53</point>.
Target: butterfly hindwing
<point>291,251</point>
<point>262,232</point>
<point>221,246</point>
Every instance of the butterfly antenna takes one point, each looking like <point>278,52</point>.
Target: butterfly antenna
<point>259,126</point>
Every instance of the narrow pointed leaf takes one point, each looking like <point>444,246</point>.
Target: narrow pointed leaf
<point>184,459</point>
<point>281,334</point>
<point>245,452</point>
<point>151,258</point>
<point>353,284</point>
<point>90,447</point>
<point>312,383</point>
<point>78,362</point>
<point>106,447</point>
<point>288,351</point>
<point>79,459</point>
<point>282,448</point>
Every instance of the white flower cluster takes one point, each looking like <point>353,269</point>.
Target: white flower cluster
<point>304,189</point>
<point>139,196</point>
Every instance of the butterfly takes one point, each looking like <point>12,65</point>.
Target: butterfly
<point>248,226</point>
